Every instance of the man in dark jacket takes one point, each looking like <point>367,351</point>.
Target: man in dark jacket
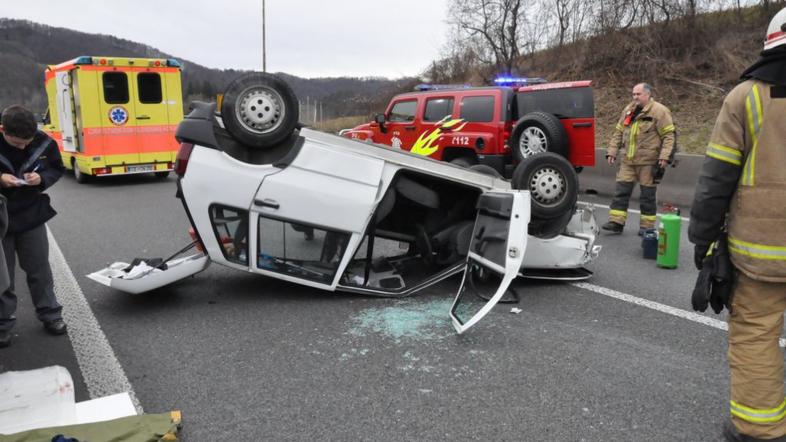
<point>29,164</point>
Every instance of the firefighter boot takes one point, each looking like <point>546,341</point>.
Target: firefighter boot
<point>731,434</point>
<point>613,227</point>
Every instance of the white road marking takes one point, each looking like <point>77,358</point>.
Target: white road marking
<point>684,314</point>
<point>686,219</point>
<point>100,368</point>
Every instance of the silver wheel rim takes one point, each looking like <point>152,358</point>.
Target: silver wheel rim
<point>533,140</point>
<point>77,172</point>
<point>260,110</point>
<point>547,186</point>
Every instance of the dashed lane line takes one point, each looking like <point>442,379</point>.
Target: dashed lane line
<point>663,308</point>
<point>100,368</point>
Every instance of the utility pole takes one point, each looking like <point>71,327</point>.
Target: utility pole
<point>264,61</point>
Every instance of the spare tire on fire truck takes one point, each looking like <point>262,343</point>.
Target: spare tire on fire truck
<point>260,110</point>
<point>538,132</point>
<point>553,185</point>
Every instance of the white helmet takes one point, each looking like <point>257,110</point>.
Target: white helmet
<point>776,32</point>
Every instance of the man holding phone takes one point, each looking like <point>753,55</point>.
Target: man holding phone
<point>29,164</point>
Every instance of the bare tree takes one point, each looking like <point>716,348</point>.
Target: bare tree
<point>491,28</point>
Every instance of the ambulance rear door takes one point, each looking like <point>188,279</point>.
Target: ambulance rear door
<point>151,119</point>
<point>120,145</point>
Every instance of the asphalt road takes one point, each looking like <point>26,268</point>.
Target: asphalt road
<point>249,358</point>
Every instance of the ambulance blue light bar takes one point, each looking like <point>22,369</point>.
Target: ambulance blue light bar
<point>173,63</point>
<point>513,81</point>
<point>437,87</point>
<point>84,60</point>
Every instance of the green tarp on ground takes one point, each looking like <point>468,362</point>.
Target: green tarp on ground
<point>142,428</point>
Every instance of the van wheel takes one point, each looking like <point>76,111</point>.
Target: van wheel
<point>80,177</point>
<point>162,175</point>
<point>549,228</point>
<point>538,132</point>
<point>260,110</point>
<point>552,183</point>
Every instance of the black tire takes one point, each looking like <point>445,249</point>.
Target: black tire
<point>463,162</point>
<point>552,183</point>
<point>162,175</point>
<point>259,110</point>
<point>486,170</point>
<point>79,176</point>
<point>538,132</point>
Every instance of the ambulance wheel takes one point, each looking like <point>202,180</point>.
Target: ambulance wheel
<point>538,132</point>
<point>260,110</point>
<point>552,183</point>
<point>80,177</point>
<point>162,175</point>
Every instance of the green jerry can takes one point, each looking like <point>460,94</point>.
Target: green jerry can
<point>669,241</point>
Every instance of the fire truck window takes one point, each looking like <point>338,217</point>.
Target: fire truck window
<point>437,109</point>
<point>149,88</point>
<point>403,111</point>
<point>115,87</point>
<point>478,109</point>
<point>564,103</point>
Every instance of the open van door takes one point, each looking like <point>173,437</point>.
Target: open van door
<point>496,252</point>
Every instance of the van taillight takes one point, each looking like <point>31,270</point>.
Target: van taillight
<point>181,162</point>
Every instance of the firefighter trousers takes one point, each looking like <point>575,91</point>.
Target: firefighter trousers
<point>627,177</point>
<point>757,403</point>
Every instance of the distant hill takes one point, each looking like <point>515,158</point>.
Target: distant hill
<point>26,48</point>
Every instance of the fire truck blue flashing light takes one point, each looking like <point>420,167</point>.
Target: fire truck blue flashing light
<point>513,81</point>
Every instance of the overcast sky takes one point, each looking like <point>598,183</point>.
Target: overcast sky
<point>304,38</point>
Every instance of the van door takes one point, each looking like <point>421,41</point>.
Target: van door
<point>304,217</point>
<point>64,100</point>
<point>496,252</point>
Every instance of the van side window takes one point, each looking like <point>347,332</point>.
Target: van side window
<point>403,111</point>
<point>230,226</point>
<point>149,87</point>
<point>437,109</point>
<point>115,87</point>
<point>478,109</point>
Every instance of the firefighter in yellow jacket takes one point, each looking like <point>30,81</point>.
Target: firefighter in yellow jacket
<point>742,190</point>
<point>644,138</point>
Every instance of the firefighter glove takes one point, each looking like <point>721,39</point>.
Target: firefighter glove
<point>699,254</point>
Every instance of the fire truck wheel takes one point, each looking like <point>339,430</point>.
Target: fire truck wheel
<point>552,183</point>
<point>462,161</point>
<point>538,132</point>
<point>80,177</point>
<point>486,170</point>
<point>260,110</point>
